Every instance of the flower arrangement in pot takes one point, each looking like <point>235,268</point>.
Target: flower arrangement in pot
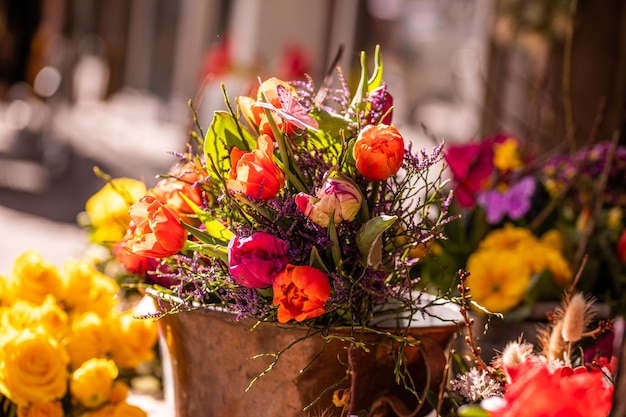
<point>300,208</point>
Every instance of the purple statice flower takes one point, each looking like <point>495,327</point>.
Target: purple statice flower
<point>513,203</point>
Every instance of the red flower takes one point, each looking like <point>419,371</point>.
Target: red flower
<point>254,173</point>
<point>378,152</point>
<point>132,262</point>
<point>621,247</point>
<point>300,293</point>
<point>534,391</point>
<point>155,229</point>
<point>471,165</point>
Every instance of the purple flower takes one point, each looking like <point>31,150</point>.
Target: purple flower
<point>514,202</point>
<point>255,261</point>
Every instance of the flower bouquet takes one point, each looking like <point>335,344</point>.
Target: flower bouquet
<point>300,207</point>
<point>66,344</point>
<point>534,226</point>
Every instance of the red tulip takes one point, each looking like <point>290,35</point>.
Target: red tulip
<point>255,173</point>
<point>155,229</point>
<point>378,151</point>
<point>300,293</point>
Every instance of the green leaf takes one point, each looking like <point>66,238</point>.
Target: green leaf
<point>213,251</point>
<point>472,410</point>
<point>369,238</point>
<point>214,228</point>
<point>316,261</point>
<point>361,90</point>
<point>223,134</point>
<point>376,80</point>
<point>335,248</point>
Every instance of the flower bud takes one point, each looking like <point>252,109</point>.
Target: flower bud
<point>378,152</point>
<point>338,195</point>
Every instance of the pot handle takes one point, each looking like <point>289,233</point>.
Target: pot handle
<point>433,355</point>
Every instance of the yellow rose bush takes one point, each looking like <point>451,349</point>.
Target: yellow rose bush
<point>62,331</point>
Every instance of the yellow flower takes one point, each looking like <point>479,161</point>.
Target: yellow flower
<point>108,209</point>
<point>103,294</point>
<point>48,409</point>
<point>509,237</point>
<point>90,338</point>
<point>33,368</point>
<point>48,316</point>
<point>78,282</point>
<point>119,392</point>
<point>88,289</point>
<point>134,340</point>
<point>498,279</point>
<point>34,278</point>
<point>122,409</point>
<point>506,155</point>
<point>91,383</point>
<point>553,239</point>
<point>6,291</point>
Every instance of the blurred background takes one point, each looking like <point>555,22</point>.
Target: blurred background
<point>106,83</point>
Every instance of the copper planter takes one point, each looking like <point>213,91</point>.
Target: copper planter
<point>212,366</point>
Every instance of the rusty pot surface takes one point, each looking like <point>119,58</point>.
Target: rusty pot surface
<point>212,365</point>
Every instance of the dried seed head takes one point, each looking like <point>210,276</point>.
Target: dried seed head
<point>515,353</point>
<point>578,315</point>
<point>555,348</point>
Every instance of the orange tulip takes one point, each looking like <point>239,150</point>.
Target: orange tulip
<point>300,293</point>
<point>155,229</point>
<point>254,173</point>
<point>168,190</point>
<point>378,151</point>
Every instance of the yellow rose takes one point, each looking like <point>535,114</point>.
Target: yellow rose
<point>78,282</point>
<point>90,338</point>
<point>49,409</point>
<point>122,409</point>
<point>103,294</point>
<point>134,340</point>
<point>498,279</point>
<point>6,291</point>
<point>119,392</point>
<point>91,383</point>
<point>33,368</point>
<point>52,317</point>
<point>108,209</point>
<point>34,278</point>
<point>49,316</point>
